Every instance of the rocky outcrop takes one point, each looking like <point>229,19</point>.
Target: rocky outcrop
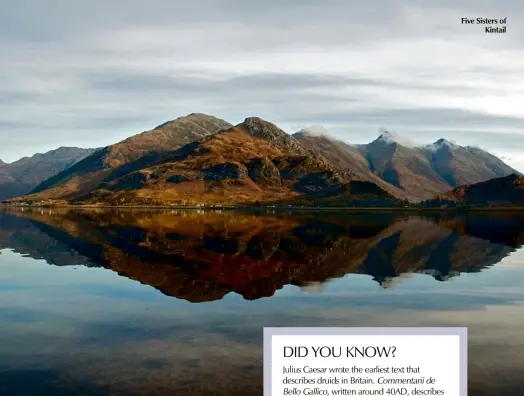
<point>296,167</point>
<point>225,171</point>
<point>133,181</point>
<point>320,182</point>
<point>263,172</point>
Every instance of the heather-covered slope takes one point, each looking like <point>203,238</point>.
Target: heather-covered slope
<point>131,154</point>
<point>199,159</point>
<point>253,161</point>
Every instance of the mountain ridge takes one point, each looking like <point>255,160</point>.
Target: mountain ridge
<point>414,172</point>
<point>256,158</point>
<point>254,161</point>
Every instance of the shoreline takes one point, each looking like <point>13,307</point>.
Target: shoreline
<point>274,208</point>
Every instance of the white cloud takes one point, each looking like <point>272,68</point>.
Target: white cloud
<point>315,130</point>
<point>91,75</point>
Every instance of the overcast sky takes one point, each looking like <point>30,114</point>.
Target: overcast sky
<point>91,73</point>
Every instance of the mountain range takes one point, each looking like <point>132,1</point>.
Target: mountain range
<point>410,172</point>
<point>22,176</point>
<point>201,159</point>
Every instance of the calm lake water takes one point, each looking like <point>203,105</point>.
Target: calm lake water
<point>173,303</point>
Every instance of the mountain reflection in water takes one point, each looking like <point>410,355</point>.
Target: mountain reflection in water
<point>202,257</point>
<point>198,257</point>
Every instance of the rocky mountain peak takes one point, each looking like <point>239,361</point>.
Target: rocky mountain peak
<point>444,143</point>
<point>441,144</point>
<point>198,120</point>
<point>262,129</point>
<point>389,138</point>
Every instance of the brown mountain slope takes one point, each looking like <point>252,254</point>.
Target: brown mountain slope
<point>413,173</point>
<point>403,167</point>
<point>131,154</point>
<point>503,191</point>
<point>346,158</point>
<point>459,165</point>
<point>20,177</point>
<point>254,161</point>
<point>176,162</point>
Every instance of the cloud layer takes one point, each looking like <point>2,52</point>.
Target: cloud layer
<point>92,73</point>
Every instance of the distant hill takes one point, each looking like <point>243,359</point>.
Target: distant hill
<point>20,177</point>
<point>503,191</point>
<point>413,173</point>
